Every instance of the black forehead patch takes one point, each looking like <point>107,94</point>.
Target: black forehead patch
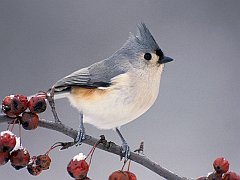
<point>159,53</point>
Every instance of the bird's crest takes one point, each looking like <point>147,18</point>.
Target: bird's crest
<point>142,40</point>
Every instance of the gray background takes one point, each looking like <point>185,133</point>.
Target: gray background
<point>196,116</point>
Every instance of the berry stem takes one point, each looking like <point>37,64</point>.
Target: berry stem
<point>8,126</point>
<point>14,121</point>
<point>33,160</point>
<point>129,164</point>
<point>55,145</point>
<point>20,133</point>
<point>91,152</point>
<point>124,163</point>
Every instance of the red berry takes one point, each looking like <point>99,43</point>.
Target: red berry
<point>19,158</point>
<point>221,165</point>
<point>34,170</point>
<point>131,176</point>
<point>231,176</point>
<point>7,141</point>
<point>29,120</point>
<point>4,157</point>
<point>78,169</point>
<point>118,175</point>
<point>14,105</point>
<point>23,99</point>
<point>43,161</point>
<point>37,104</point>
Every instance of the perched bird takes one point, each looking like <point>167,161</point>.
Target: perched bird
<point>116,90</point>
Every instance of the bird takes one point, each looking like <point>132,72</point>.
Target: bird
<point>117,90</point>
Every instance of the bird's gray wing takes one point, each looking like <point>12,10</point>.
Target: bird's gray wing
<point>94,76</point>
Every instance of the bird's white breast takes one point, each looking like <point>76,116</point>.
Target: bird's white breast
<point>129,96</point>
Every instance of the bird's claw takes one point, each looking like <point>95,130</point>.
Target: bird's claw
<point>80,137</point>
<point>125,151</point>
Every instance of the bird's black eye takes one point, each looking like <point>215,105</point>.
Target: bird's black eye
<point>159,53</point>
<point>147,56</point>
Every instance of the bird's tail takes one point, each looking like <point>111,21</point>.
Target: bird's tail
<point>57,94</point>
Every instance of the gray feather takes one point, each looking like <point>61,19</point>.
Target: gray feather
<point>142,42</point>
<point>123,60</point>
<point>145,38</point>
<point>96,75</point>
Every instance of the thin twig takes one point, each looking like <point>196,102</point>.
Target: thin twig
<point>111,147</point>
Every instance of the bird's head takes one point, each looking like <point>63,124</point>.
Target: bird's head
<point>142,49</point>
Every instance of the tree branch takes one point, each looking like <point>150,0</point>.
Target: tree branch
<point>109,147</point>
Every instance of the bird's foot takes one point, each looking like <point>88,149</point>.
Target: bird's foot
<point>125,151</point>
<point>80,137</point>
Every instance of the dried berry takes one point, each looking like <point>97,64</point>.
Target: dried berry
<point>43,161</point>
<point>19,158</point>
<point>221,165</point>
<point>118,175</point>
<point>34,170</point>
<point>78,169</point>
<point>7,141</point>
<point>29,120</point>
<point>14,105</point>
<point>37,104</point>
<point>4,157</point>
<point>131,175</point>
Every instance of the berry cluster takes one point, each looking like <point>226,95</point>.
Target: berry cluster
<point>38,164</point>
<point>11,149</point>
<point>221,167</point>
<point>78,168</point>
<point>23,111</point>
<point>15,105</point>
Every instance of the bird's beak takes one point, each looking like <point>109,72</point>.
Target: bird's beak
<point>165,59</point>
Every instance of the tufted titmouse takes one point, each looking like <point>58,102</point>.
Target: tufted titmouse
<point>119,89</point>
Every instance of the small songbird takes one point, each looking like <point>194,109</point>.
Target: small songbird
<point>119,89</point>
